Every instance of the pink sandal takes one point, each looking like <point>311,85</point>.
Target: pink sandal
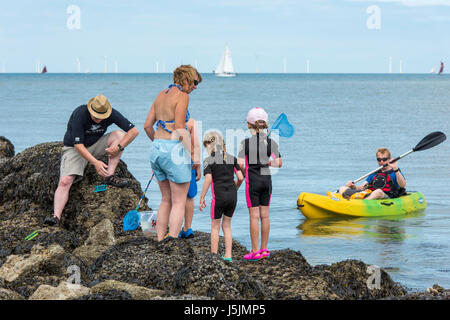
<point>253,256</point>
<point>265,253</point>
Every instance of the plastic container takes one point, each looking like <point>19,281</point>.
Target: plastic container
<point>148,222</point>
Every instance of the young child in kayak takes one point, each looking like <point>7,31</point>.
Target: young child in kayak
<point>256,155</point>
<point>219,170</point>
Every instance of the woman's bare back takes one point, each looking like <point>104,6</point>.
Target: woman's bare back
<point>165,107</point>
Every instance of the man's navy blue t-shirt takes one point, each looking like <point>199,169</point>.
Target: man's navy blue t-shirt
<point>82,129</point>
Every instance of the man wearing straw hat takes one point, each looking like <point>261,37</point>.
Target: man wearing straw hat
<point>85,141</point>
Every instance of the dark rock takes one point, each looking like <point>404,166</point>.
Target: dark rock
<point>108,295</point>
<point>27,185</point>
<point>435,292</point>
<point>182,267</point>
<point>6,148</point>
<point>349,280</point>
<point>6,294</point>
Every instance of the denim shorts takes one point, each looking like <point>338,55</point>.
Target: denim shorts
<point>170,160</point>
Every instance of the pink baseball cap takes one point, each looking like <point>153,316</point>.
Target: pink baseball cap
<point>256,114</point>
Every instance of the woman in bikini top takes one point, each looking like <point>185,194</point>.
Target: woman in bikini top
<point>162,123</point>
<point>173,178</point>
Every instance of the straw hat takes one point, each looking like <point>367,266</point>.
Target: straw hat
<point>99,107</point>
<point>257,114</point>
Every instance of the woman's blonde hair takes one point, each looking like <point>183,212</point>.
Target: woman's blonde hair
<point>213,142</point>
<point>186,73</point>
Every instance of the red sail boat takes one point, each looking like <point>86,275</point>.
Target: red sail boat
<point>44,70</point>
<point>442,68</point>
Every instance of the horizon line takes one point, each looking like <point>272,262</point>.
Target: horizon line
<point>211,73</point>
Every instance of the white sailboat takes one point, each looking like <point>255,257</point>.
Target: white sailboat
<point>225,66</point>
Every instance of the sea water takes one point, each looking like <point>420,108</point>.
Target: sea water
<point>340,121</point>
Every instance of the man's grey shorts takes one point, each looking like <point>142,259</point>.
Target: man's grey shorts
<point>72,163</point>
<point>349,192</point>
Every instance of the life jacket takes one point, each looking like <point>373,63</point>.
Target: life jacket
<point>361,194</point>
<point>383,181</point>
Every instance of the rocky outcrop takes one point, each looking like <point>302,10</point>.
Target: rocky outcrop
<point>101,237</point>
<point>136,292</point>
<point>64,291</point>
<point>436,292</point>
<point>27,185</point>
<point>6,294</point>
<point>18,266</point>
<point>91,221</point>
<point>6,148</point>
<point>89,257</point>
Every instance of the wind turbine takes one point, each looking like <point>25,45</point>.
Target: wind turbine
<point>78,65</point>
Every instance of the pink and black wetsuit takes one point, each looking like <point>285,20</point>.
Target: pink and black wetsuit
<point>223,187</point>
<point>257,151</point>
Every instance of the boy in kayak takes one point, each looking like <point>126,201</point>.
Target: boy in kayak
<point>384,184</point>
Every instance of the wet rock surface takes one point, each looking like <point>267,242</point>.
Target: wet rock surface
<point>436,292</point>
<point>27,185</point>
<point>89,257</point>
<point>6,149</point>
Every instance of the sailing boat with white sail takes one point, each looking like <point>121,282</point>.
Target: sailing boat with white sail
<point>225,66</point>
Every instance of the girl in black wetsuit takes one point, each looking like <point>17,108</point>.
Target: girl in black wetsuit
<point>255,156</point>
<point>219,170</point>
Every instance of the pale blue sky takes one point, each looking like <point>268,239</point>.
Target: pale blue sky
<point>332,34</point>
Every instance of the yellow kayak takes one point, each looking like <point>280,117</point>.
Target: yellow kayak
<point>315,206</point>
